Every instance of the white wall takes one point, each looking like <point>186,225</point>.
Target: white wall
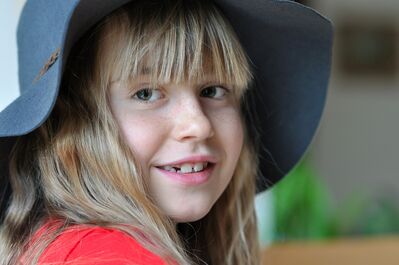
<point>9,13</point>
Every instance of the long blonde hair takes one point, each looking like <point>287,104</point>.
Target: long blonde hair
<point>76,167</point>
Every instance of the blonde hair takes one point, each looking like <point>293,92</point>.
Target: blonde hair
<point>76,167</point>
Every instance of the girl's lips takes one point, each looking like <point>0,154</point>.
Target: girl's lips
<point>192,160</point>
<point>194,178</point>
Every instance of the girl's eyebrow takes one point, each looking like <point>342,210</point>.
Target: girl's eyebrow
<point>206,81</point>
<point>146,72</point>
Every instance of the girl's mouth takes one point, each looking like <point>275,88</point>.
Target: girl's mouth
<point>188,174</point>
<point>187,167</point>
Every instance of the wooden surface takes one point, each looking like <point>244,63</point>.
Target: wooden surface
<point>366,251</point>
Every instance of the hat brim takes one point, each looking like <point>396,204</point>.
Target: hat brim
<point>289,46</point>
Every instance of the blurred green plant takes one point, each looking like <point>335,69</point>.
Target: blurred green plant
<point>303,210</point>
<point>366,217</point>
<point>302,206</point>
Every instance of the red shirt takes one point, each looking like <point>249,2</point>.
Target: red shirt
<point>97,246</point>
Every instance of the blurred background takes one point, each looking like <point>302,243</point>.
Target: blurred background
<point>346,186</point>
<point>340,205</point>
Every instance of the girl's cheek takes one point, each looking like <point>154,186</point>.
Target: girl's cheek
<point>143,133</point>
<point>229,129</point>
<point>226,119</point>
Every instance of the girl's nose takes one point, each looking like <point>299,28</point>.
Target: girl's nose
<point>191,122</point>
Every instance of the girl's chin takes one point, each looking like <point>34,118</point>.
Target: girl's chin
<point>187,218</point>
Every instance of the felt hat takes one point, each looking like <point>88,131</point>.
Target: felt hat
<point>288,44</point>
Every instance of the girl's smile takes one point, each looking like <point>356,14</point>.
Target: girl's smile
<point>187,138</point>
<point>190,177</point>
<point>190,170</point>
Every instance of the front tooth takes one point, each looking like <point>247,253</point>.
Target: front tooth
<point>169,168</point>
<point>198,167</point>
<point>186,168</point>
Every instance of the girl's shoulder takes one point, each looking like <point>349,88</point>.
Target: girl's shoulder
<point>97,245</point>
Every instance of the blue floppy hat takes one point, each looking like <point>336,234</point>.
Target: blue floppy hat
<point>288,44</point>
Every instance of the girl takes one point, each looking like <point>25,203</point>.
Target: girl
<point>132,143</point>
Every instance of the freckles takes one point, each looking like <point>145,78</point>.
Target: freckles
<point>228,119</point>
<point>143,134</point>
<point>229,129</point>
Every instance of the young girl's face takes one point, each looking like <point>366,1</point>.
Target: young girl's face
<point>181,125</point>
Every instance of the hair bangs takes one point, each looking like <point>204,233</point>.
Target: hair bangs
<point>186,41</point>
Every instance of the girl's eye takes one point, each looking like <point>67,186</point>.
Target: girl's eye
<point>216,92</point>
<point>148,95</point>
